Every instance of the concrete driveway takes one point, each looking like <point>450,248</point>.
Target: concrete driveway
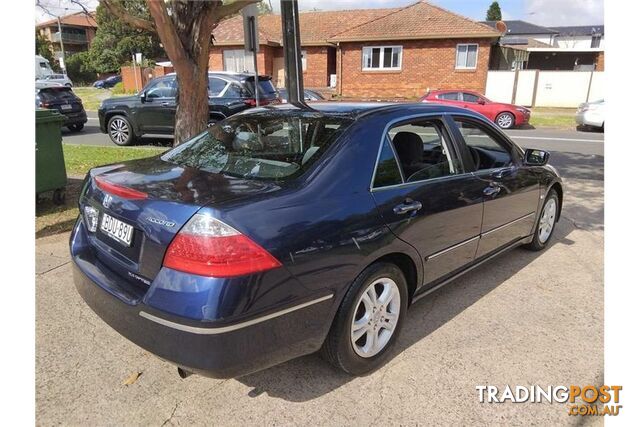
<point>524,318</point>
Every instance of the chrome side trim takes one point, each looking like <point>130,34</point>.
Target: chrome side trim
<point>230,328</point>
<point>444,251</point>
<point>493,230</point>
<point>466,270</point>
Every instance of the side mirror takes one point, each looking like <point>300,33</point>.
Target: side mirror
<point>143,97</point>
<point>535,157</point>
<point>481,101</point>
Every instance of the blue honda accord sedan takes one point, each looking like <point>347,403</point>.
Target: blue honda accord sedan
<point>286,230</point>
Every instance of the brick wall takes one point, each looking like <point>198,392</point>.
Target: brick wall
<point>129,77</point>
<point>426,64</point>
<point>600,61</point>
<point>317,72</point>
<point>265,58</point>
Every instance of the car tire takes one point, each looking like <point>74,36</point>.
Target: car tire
<point>68,85</point>
<point>355,354</point>
<point>76,128</point>
<point>546,223</point>
<point>120,131</point>
<point>505,120</point>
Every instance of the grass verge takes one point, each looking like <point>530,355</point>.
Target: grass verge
<point>54,219</point>
<point>556,118</point>
<point>92,97</point>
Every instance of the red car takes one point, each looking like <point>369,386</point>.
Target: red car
<point>504,115</point>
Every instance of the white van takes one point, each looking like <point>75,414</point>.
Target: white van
<point>43,68</point>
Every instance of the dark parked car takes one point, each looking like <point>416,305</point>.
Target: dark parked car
<point>153,110</point>
<point>62,99</point>
<point>281,231</point>
<point>108,82</point>
<point>309,95</point>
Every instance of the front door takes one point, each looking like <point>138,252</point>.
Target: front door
<point>157,114</point>
<point>511,191</point>
<point>427,198</point>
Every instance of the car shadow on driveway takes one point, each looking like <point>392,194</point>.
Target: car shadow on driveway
<point>309,377</point>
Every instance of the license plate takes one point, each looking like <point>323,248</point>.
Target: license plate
<point>116,229</point>
<point>66,107</point>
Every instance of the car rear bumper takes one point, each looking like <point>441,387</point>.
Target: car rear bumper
<point>585,118</point>
<point>223,348</point>
<point>76,118</point>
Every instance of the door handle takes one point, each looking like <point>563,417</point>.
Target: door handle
<point>165,104</point>
<point>406,207</point>
<point>492,190</point>
<point>499,174</point>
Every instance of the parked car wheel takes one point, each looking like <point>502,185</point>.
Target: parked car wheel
<point>76,128</point>
<point>546,222</point>
<point>368,321</point>
<point>505,120</point>
<point>120,131</point>
<point>68,85</point>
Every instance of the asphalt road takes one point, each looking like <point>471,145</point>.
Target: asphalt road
<point>524,318</point>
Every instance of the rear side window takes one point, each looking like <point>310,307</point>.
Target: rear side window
<point>261,146</point>
<point>451,96</point>
<point>388,171</point>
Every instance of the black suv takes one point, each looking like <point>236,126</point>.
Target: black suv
<point>63,100</point>
<point>153,110</point>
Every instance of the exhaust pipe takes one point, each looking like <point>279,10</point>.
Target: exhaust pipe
<point>183,373</point>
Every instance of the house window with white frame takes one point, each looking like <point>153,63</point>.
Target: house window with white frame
<point>237,60</point>
<point>382,58</point>
<point>467,56</point>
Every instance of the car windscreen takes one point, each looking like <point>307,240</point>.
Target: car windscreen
<point>273,146</point>
<point>56,94</point>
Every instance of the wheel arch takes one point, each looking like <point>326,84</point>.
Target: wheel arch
<point>558,188</point>
<point>109,114</point>
<point>406,264</point>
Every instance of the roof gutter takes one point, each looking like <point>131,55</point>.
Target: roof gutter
<point>427,37</point>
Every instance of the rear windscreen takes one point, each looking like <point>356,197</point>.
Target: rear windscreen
<point>265,87</point>
<point>57,94</point>
<point>265,146</point>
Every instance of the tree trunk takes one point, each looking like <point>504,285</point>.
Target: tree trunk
<point>192,113</point>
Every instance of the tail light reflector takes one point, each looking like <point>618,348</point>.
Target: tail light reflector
<point>208,247</point>
<point>119,190</point>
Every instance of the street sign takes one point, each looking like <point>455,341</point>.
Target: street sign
<point>250,24</point>
<point>138,58</point>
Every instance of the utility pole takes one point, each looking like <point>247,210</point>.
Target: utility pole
<point>292,52</point>
<point>64,68</point>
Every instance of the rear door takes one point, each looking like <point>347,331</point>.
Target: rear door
<point>426,197</point>
<point>511,191</point>
<point>225,97</point>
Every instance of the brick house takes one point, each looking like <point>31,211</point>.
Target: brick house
<point>397,52</point>
<point>78,31</point>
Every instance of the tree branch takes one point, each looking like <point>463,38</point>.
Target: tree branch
<point>117,10</point>
<point>231,8</point>
<point>167,33</point>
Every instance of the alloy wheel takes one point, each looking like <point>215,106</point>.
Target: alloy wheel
<point>119,131</point>
<point>505,121</point>
<point>547,220</point>
<point>376,317</point>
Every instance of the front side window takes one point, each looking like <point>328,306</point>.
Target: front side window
<point>486,151</point>
<point>382,58</point>
<point>262,146</point>
<point>163,88</point>
<point>423,150</point>
<point>466,56</point>
<point>469,97</point>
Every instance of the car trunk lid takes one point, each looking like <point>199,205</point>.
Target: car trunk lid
<point>155,198</point>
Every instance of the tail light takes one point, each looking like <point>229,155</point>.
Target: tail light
<point>119,190</point>
<point>250,102</point>
<point>207,246</point>
<point>91,218</point>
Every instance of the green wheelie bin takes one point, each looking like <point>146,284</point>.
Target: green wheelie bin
<point>51,174</point>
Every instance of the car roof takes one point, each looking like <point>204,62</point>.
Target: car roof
<point>360,109</point>
<point>232,74</point>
